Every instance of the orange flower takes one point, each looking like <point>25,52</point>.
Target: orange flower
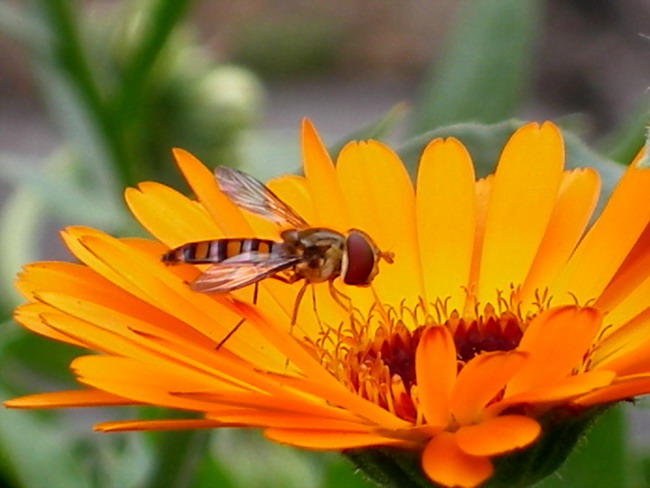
<point>499,319</point>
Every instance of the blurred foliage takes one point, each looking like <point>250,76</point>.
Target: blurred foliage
<point>291,47</point>
<point>126,85</point>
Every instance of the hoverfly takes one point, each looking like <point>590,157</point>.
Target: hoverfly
<point>313,254</point>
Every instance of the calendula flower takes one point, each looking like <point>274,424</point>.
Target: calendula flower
<point>505,322</point>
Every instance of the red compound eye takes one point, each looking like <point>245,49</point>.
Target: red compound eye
<point>359,267</point>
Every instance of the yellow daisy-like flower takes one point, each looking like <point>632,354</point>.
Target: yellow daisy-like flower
<point>501,319</point>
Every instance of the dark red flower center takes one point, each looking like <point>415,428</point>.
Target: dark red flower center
<point>380,366</point>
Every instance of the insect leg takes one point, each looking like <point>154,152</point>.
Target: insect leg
<point>339,296</point>
<point>256,289</point>
<point>313,302</point>
<point>229,334</point>
<point>294,317</point>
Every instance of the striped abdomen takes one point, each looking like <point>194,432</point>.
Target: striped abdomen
<point>216,251</point>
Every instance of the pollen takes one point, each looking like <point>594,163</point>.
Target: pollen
<point>374,355</point>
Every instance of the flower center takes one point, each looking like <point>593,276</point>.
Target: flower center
<point>374,356</point>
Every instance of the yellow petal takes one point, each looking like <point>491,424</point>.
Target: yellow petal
<point>524,192</point>
<point>626,352</point>
<point>483,191</point>
<point>602,251</point>
<point>446,218</point>
<point>575,203</point>
<point>169,216</point>
<point>322,181</point>
<point>202,181</point>
<point>625,296</point>
<point>381,202</point>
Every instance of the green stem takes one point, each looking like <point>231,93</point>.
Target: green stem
<point>69,55</point>
<point>162,19</point>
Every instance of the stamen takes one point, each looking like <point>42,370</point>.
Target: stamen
<point>374,356</point>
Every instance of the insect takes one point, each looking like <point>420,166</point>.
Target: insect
<point>312,254</point>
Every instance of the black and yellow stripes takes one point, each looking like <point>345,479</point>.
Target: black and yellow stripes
<point>217,251</point>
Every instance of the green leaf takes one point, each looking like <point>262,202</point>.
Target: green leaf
<point>483,71</point>
<point>601,460</point>
<point>178,455</point>
<point>377,129</point>
<point>624,143</point>
<point>74,90</point>
<point>65,188</point>
<point>484,142</point>
<point>20,220</point>
<point>29,360</point>
<point>159,19</point>
<point>37,453</point>
<point>251,461</point>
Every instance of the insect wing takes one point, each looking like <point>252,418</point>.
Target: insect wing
<point>251,195</point>
<point>241,270</point>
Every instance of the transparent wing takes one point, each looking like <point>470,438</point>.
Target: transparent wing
<point>251,195</point>
<point>241,270</point>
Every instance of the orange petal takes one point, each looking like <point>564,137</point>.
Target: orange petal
<point>621,389</point>
<point>576,201</point>
<point>67,399</point>
<point>602,251</point>
<point>169,216</point>
<point>524,193</point>
<point>381,202</point>
<point>327,440</point>
<point>262,417</point>
<point>84,284</point>
<point>480,381</point>
<point>322,382</point>
<point>561,392</point>
<point>142,382</point>
<point>322,182</point>
<point>625,353</point>
<point>171,424</point>
<point>446,464</point>
<point>435,370</point>
<point>446,218</point>
<point>202,181</point>
<point>30,316</point>
<point>149,279</point>
<point>631,277</point>
<point>557,341</point>
<point>498,435</point>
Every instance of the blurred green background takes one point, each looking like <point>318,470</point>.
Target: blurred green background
<point>94,94</point>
